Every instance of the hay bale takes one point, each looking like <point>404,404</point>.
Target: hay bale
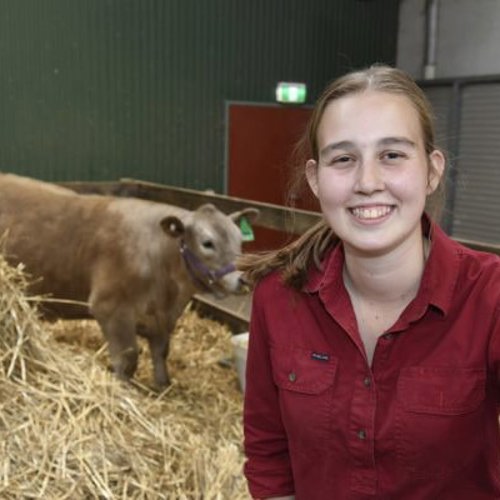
<point>69,429</point>
<point>18,321</point>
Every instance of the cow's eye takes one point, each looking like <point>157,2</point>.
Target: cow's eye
<point>208,244</point>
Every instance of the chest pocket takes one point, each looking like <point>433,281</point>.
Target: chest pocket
<point>441,391</point>
<point>439,418</point>
<point>305,381</point>
<point>303,370</point>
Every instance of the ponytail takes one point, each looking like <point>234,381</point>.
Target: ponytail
<point>293,260</point>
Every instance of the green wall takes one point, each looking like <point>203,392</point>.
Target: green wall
<point>103,89</point>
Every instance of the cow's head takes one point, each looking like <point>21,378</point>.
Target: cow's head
<point>210,242</point>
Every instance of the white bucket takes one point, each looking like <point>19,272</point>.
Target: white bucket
<point>240,345</point>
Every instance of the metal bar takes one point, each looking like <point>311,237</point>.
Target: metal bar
<point>478,245</point>
<point>463,80</point>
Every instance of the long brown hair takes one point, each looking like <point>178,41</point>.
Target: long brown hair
<point>295,259</point>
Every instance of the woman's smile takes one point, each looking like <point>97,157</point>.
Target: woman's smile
<point>369,213</point>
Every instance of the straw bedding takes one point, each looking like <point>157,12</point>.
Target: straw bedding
<point>69,429</point>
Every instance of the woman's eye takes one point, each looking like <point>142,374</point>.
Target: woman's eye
<point>341,160</point>
<point>392,155</point>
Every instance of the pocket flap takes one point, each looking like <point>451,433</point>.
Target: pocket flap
<point>303,370</point>
<point>442,391</point>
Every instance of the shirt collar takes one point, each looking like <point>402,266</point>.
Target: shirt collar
<point>441,269</point>
<point>438,280</point>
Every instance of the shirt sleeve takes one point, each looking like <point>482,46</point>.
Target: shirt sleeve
<point>494,350</point>
<point>267,469</point>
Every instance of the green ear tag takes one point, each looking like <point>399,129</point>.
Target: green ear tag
<point>246,230</point>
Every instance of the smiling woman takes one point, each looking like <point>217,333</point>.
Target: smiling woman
<point>367,368</point>
<point>372,183</point>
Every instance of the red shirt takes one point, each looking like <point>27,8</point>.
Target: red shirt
<point>420,423</point>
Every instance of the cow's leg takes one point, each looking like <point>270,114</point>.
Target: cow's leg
<point>157,333</point>
<point>159,347</point>
<point>118,328</point>
<point>123,351</point>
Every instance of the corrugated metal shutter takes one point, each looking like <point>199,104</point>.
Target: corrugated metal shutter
<point>477,199</point>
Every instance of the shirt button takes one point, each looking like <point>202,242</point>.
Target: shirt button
<point>362,434</point>
<point>292,377</point>
<point>388,336</point>
<point>367,381</point>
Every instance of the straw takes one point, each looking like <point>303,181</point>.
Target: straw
<point>69,429</point>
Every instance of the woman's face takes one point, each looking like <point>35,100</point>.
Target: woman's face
<point>372,176</point>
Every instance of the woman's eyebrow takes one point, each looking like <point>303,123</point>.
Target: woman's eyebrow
<point>337,145</point>
<point>388,141</point>
<point>385,141</point>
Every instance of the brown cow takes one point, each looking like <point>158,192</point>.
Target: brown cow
<point>135,263</point>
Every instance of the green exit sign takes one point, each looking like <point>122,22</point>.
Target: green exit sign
<point>291,92</point>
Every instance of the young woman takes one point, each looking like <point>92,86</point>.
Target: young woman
<point>373,369</point>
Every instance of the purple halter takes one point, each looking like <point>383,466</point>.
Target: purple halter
<point>201,274</point>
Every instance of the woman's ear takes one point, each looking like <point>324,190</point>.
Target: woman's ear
<point>436,170</point>
<point>312,175</point>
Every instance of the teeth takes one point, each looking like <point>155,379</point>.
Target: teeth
<point>371,213</point>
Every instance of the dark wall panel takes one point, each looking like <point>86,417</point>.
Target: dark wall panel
<point>101,89</point>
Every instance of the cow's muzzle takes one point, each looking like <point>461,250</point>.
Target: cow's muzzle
<point>205,278</point>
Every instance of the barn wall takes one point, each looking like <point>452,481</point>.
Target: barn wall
<point>103,89</point>
<point>467,37</point>
<point>466,94</point>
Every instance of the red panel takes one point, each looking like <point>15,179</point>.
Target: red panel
<point>261,139</point>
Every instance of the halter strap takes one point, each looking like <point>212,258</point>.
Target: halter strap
<point>199,272</point>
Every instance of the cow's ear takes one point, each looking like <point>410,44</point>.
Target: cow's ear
<point>207,207</point>
<point>249,213</point>
<point>173,226</point>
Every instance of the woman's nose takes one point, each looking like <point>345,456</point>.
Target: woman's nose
<point>369,178</point>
